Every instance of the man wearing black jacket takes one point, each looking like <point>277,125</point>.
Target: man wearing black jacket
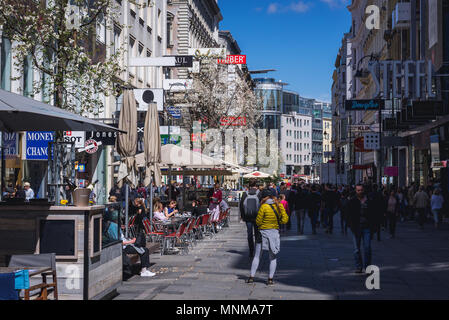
<point>251,227</point>
<point>362,222</point>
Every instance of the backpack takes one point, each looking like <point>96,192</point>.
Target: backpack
<point>251,207</point>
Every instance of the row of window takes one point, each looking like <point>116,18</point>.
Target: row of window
<point>298,146</point>
<point>298,134</point>
<point>298,158</point>
<point>298,123</point>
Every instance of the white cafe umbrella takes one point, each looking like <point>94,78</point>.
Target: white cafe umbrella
<point>152,141</point>
<point>257,174</point>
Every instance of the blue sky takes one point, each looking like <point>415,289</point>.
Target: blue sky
<point>298,38</point>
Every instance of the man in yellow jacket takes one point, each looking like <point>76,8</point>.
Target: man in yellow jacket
<point>269,218</point>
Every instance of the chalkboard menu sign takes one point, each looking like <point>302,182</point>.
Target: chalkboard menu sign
<point>57,236</point>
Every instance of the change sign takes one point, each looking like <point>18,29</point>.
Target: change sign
<point>37,144</point>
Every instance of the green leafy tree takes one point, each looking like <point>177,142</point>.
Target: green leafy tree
<point>61,38</point>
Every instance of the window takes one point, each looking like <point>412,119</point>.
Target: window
<point>159,24</point>
<point>132,53</point>
<point>28,76</point>
<point>5,71</point>
<point>141,69</point>
<point>117,39</point>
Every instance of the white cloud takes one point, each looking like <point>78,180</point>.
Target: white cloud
<point>336,3</point>
<point>273,8</point>
<point>299,7</point>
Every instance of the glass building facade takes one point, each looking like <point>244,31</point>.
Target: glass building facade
<point>271,94</point>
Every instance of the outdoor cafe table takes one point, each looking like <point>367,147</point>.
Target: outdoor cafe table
<point>172,224</point>
<point>32,271</point>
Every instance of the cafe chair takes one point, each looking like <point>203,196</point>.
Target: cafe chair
<point>38,261</point>
<point>132,227</point>
<point>196,229</point>
<point>170,240</point>
<point>150,230</point>
<point>189,231</point>
<point>205,223</point>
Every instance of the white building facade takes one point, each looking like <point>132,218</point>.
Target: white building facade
<point>296,143</point>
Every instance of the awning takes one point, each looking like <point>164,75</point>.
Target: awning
<point>19,113</point>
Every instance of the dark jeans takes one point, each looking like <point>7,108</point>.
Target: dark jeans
<point>313,215</point>
<point>301,219</point>
<point>253,234</point>
<point>391,217</point>
<point>329,218</point>
<point>343,222</point>
<point>358,236</point>
<point>144,258</point>
<point>421,216</point>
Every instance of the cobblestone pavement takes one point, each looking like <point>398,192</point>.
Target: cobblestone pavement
<point>414,265</point>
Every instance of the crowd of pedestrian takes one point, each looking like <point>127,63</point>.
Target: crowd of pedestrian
<point>365,209</point>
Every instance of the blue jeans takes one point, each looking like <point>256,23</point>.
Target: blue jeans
<point>358,236</point>
<point>253,232</point>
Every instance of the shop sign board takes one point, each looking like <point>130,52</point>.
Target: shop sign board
<point>36,144</point>
<point>78,137</point>
<point>106,138</point>
<point>10,142</point>
<point>415,74</point>
<point>359,145</point>
<point>364,104</point>
<point>91,146</point>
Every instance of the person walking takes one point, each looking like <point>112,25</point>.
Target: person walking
<point>290,196</point>
<point>249,207</point>
<point>270,217</point>
<point>330,204</point>
<point>421,200</point>
<point>392,212</point>
<point>314,205</point>
<point>436,204</point>
<point>411,201</point>
<point>301,204</point>
<point>287,209</point>
<point>362,222</point>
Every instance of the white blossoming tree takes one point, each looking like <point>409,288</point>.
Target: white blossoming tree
<point>60,37</point>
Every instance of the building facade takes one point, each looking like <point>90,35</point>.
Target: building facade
<point>403,64</point>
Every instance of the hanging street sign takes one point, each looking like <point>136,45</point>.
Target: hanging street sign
<point>366,104</point>
<point>175,112</point>
<point>360,128</point>
<point>90,146</point>
<point>78,137</point>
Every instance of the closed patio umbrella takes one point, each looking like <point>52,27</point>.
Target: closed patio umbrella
<point>152,145</point>
<point>126,146</point>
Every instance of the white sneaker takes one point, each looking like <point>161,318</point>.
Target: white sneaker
<point>147,273</point>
